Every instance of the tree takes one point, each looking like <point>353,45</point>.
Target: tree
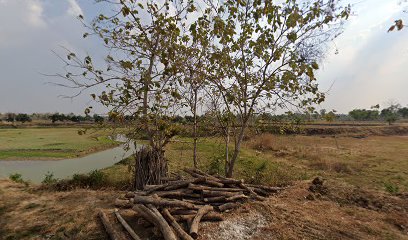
<point>97,118</point>
<point>403,112</point>
<point>264,55</point>
<point>23,117</point>
<point>11,117</point>
<point>364,114</point>
<point>330,116</point>
<point>390,114</point>
<point>140,78</point>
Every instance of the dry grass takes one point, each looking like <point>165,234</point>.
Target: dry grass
<point>367,162</point>
<point>29,213</point>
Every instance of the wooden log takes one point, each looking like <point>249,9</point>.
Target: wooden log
<point>165,228</point>
<point>200,213</point>
<point>113,234</point>
<point>213,183</point>
<point>208,193</point>
<point>122,203</point>
<point>129,194</point>
<point>214,199</point>
<point>236,198</point>
<point>179,230</point>
<point>152,215</point>
<point>126,226</point>
<point>266,188</point>
<point>175,185</point>
<point>163,202</point>
<point>227,206</point>
<point>178,194</point>
<point>200,188</point>
<point>261,192</point>
<point>252,193</point>
<point>181,211</point>
<point>150,187</point>
<point>211,216</point>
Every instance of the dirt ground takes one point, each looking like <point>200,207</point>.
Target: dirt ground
<point>332,210</point>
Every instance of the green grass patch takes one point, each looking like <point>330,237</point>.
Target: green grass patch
<point>50,143</point>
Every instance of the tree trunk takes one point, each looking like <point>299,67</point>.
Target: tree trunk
<point>195,129</point>
<point>150,167</point>
<point>236,151</point>
<point>227,160</point>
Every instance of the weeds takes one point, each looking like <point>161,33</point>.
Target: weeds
<point>391,187</point>
<point>16,177</point>
<point>49,178</point>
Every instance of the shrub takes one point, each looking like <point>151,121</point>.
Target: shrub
<point>16,177</point>
<point>49,178</point>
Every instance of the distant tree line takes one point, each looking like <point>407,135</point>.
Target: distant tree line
<point>53,117</point>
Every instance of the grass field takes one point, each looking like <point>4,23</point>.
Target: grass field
<point>373,162</point>
<point>50,143</point>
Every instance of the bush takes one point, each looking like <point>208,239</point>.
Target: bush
<point>49,178</point>
<point>16,177</point>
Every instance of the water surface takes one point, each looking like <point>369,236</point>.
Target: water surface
<point>35,170</point>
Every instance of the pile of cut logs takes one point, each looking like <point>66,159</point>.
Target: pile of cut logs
<point>177,207</point>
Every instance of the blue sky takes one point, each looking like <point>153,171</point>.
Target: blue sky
<point>371,67</point>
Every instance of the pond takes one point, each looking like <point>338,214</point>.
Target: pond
<point>35,170</point>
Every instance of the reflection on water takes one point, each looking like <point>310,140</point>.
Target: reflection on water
<point>35,170</point>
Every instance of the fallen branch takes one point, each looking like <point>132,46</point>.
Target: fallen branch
<point>126,226</point>
<point>180,232</point>
<point>194,225</point>
<point>113,235</point>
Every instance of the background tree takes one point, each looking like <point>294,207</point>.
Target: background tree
<point>10,117</point>
<point>390,114</point>
<point>23,117</point>
<point>264,55</point>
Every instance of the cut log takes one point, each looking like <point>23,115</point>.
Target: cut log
<point>228,206</point>
<point>113,234</point>
<point>178,194</point>
<point>181,211</point>
<point>122,203</point>
<point>200,188</point>
<point>252,193</point>
<point>165,228</point>
<point>236,198</point>
<point>180,232</point>
<point>208,193</point>
<point>153,215</point>
<point>200,213</point>
<point>266,188</point>
<point>175,185</point>
<point>163,202</point>
<point>215,199</point>
<point>126,226</point>
<point>129,195</point>
<point>261,192</point>
<point>211,217</point>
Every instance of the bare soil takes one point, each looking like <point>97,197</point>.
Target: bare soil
<point>332,210</point>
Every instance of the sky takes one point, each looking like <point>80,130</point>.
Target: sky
<point>371,66</point>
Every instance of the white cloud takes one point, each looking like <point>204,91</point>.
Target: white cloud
<point>74,8</point>
<point>20,18</point>
<point>35,14</point>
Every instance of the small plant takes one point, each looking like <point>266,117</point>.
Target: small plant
<point>391,187</point>
<point>216,165</point>
<point>96,178</point>
<point>49,178</point>
<point>16,177</point>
